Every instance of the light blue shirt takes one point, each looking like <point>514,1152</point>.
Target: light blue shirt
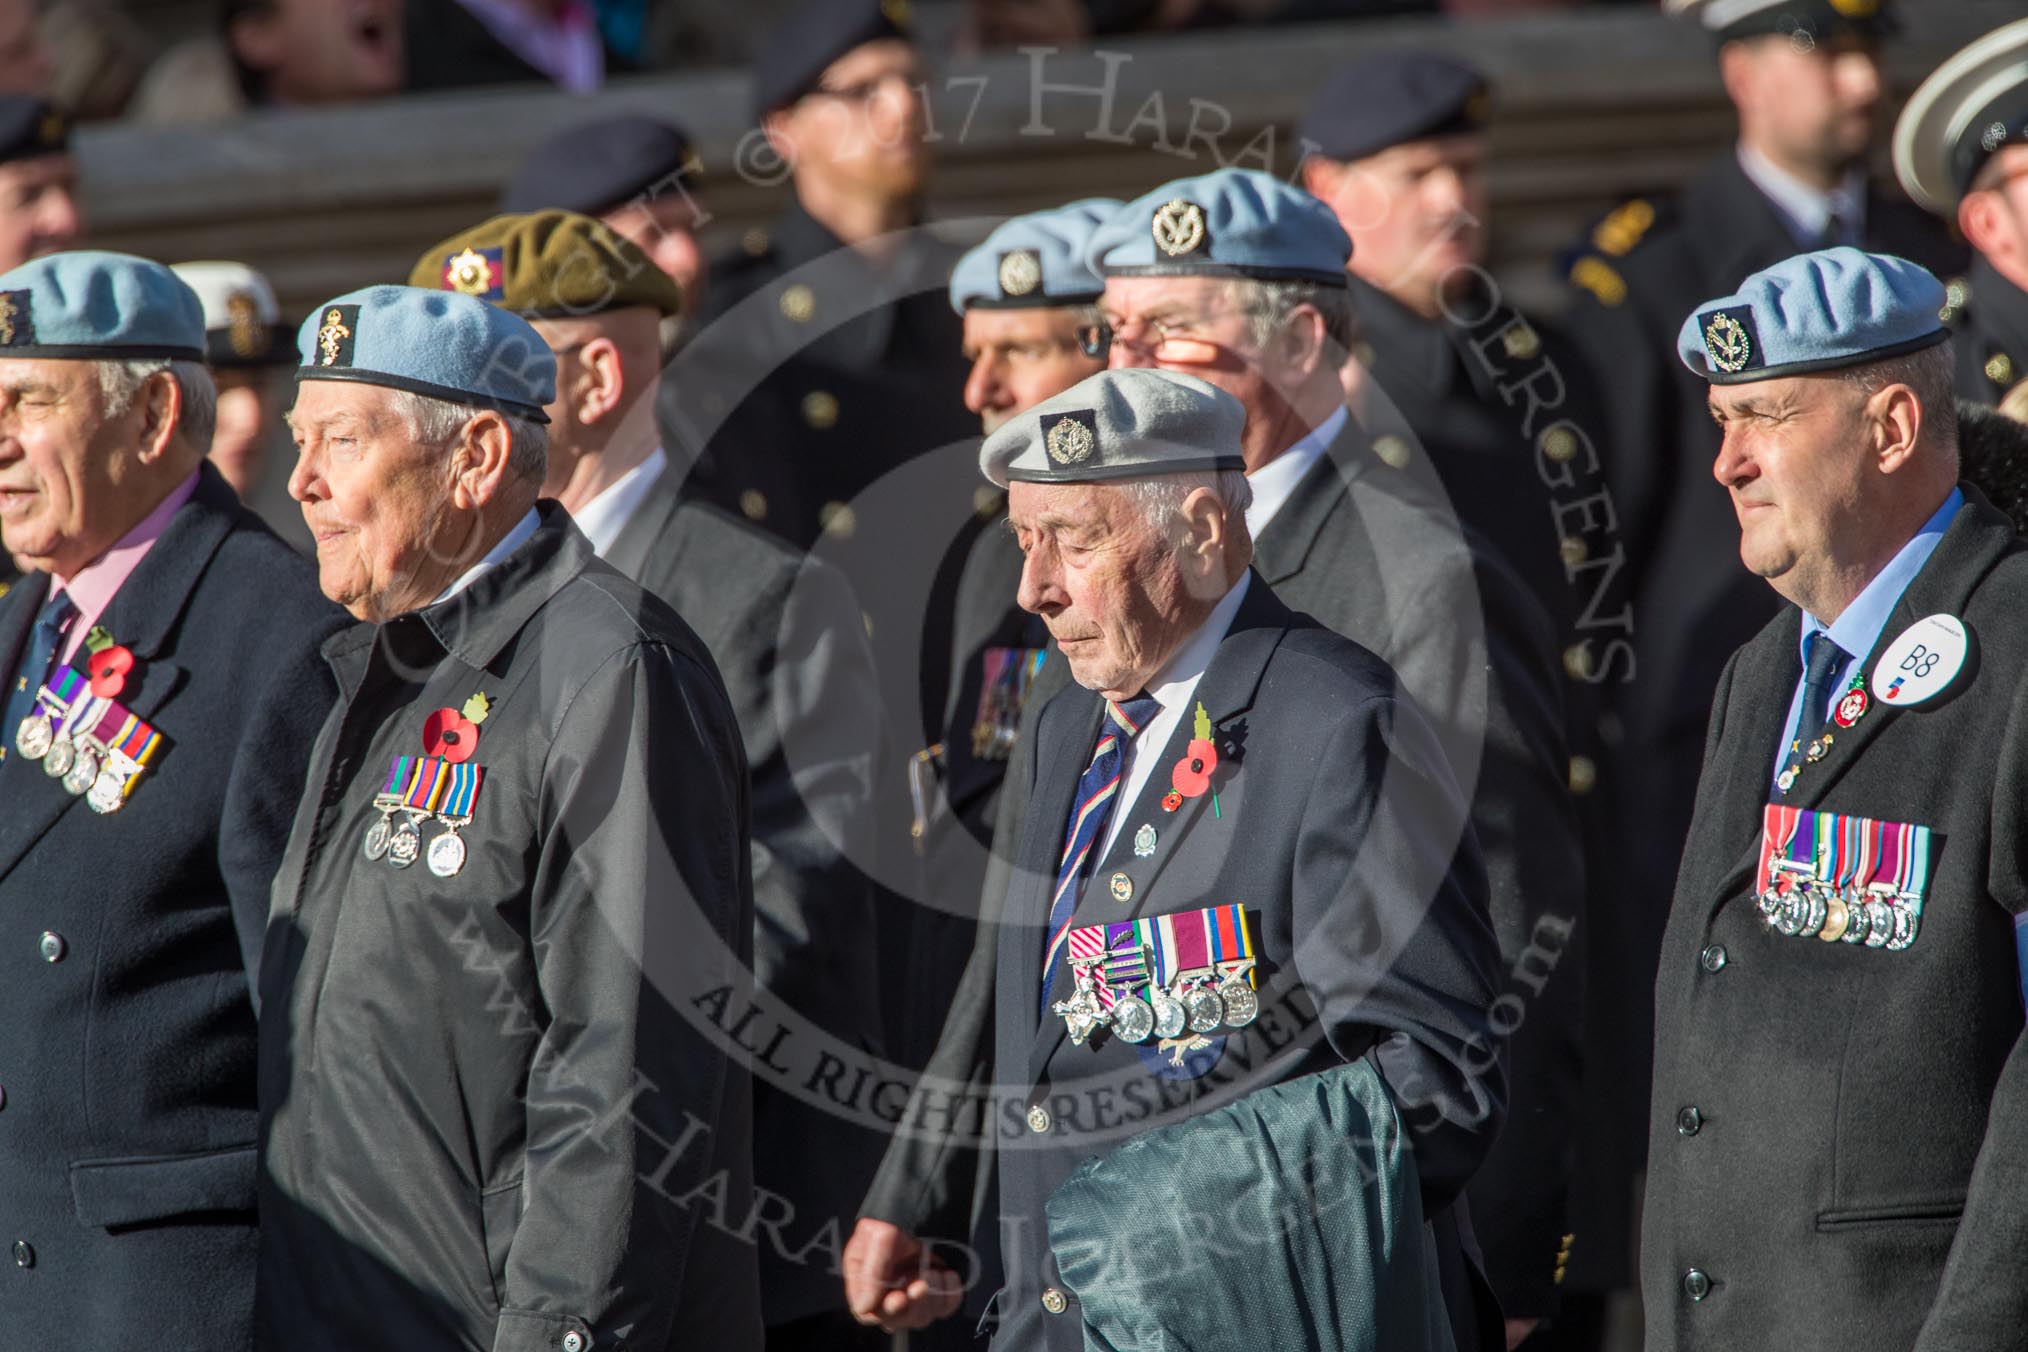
<point>1858,629</point>
<point>1805,210</point>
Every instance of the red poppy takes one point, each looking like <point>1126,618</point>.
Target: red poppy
<point>1192,775</point>
<point>108,669</point>
<point>1171,801</point>
<point>450,734</point>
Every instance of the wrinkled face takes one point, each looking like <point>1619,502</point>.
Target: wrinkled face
<point>324,51</point>
<point>39,212</point>
<point>1416,213</point>
<point>374,498</point>
<point>1793,460</point>
<point>67,470</point>
<point>249,421</point>
<point>1020,358</point>
<point>1817,104</point>
<point>861,130</point>
<point>1110,588</point>
<point>665,228</point>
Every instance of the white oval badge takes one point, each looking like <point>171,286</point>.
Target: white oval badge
<point>1921,662</point>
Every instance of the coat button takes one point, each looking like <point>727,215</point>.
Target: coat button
<point>1712,959</point>
<point>1053,1300</point>
<point>1689,1122</point>
<point>1695,1284</point>
<point>1038,1119</point>
<point>573,1341</point>
<point>24,1254</point>
<point>53,946</point>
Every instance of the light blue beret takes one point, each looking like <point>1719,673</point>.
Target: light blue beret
<point>439,343</point>
<point>1814,312</point>
<point>97,305</point>
<point>1033,261</point>
<point>1235,223</point>
<point>1125,424</point>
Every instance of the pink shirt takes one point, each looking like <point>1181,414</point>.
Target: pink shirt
<point>95,585</point>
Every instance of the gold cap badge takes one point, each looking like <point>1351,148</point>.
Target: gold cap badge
<point>1725,339</point>
<point>1069,441</point>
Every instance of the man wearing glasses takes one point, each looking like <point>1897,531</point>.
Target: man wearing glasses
<point>837,310</point>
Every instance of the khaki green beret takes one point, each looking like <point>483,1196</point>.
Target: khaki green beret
<point>547,265</point>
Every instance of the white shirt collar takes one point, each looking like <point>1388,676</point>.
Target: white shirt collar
<point>495,556</point>
<point>1805,210</point>
<point>605,516</point>
<point>1172,688</point>
<point>1275,482</point>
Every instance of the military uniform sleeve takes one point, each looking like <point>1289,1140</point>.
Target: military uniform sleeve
<point>266,782</point>
<point>1391,933</point>
<point>1528,834</point>
<point>813,747</point>
<point>641,908</point>
<point>1982,1301</point>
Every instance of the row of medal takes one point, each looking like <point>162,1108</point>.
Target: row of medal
<point>1841,878</point>
<point>90,743</point>
<point>1161,975</point>
<point>1008,672</point>
<point>420,788</point>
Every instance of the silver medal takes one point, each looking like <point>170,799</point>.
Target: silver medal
<point>1133,1020</point>
<point>1814,912</point>
<point>83,771</point>
<point>1170,1016</point>
<point>404,845</point>
<point>35,735</point>
<point>1790,919</point>
<point>1241,1004</point>
<point>1879,923</point>
<point>1855,926</point>
<point>62,751</point>
<point>378,835</point>
<point>447,855</point>
<point>1206,1010</point>
<point>108,793</point>
<point>1904,927</point>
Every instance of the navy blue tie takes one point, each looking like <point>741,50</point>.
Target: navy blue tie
<point>1098,789</point>
<point>43,640</point>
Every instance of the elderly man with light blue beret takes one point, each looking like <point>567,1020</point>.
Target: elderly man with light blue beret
<point>163,688</point>
<point>1240,278</point>
<point>1840,1113</point>
<point>517,886</point>
<point>1242,862</point>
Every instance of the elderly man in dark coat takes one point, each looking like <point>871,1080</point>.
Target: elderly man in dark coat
<point>497,1107</point>
<point>162,691</point>
<point>1836,1145</point>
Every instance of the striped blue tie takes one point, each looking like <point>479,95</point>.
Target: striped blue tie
<point>1097,789</point>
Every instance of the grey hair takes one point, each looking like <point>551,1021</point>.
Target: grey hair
<point>434,422</point>
<point>1160,497</point>
<point>1268,307</point>
<point>120,384</point>
<point>1931,373</point>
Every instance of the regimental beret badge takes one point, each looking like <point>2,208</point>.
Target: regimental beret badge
<point>476,272</point>
<point>1179,227</point>
<point>1856,9</point>
<point>1071,437</point>
<point>1729,340</point>
<point>244,330</point>
<point>52,129</point>
<point>896,13</point>
<point>336,335</point>
<point>17,319</point>
<point>1020,272</point>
